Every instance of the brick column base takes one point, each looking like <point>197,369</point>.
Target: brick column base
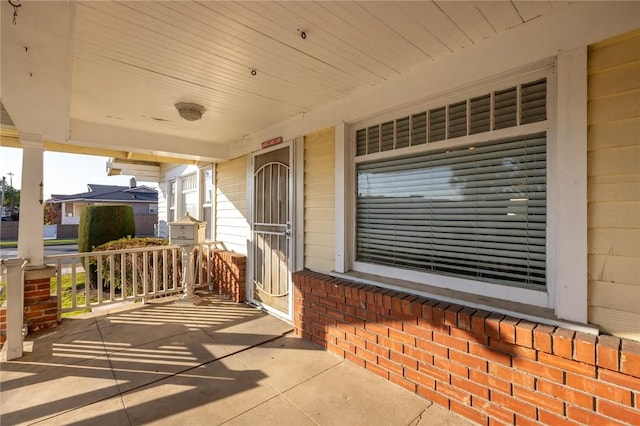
<point>230,269</point>
<point>40,307</point>
<point>3,323</point>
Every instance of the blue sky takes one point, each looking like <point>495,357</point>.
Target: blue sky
<point>63,173</point>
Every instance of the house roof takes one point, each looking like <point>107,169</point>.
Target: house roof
<point>110,193</point>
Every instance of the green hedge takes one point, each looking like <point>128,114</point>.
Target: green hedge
<point>100,224</point>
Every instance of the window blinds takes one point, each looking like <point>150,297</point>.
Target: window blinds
<point>477,212</point>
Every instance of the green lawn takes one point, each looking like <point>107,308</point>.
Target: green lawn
<point>46,242</point>
<point>67,296</point>
<point>66,293</point>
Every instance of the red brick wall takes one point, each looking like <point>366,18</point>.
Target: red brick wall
<point>487,367</point>
<point>40,307</point>
<point>229,272</point>
<point>3,325</point>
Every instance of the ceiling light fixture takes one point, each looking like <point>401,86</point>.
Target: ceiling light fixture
<point>189,111</point>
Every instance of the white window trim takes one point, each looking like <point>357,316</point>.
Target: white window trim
<point>566,291</point>
<point>172,192</point>
<point>202,189</point>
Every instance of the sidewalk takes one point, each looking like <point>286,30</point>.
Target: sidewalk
<point>219,363</point>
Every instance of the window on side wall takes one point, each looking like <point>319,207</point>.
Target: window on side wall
<point>190,195</point>
<point>207,201</point>
<point>454,194</point>
<point>172,201</point>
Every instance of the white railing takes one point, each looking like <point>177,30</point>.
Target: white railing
<point>93,279</point>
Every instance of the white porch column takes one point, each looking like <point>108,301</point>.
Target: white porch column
<point>12,348</point>
<point>30,231</point>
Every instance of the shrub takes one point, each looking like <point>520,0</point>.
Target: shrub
<point>100,224</point>
<point>144,271</point>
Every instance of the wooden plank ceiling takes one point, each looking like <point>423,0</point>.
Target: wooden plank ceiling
<point>132,61</point>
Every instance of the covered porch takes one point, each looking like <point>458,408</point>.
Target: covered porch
<point>217,363</point>
<point>469,309</point>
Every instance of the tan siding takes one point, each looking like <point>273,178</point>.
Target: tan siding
<point>614,133</point>
<point>614,81</point>
<point>231,204</point>
<point>614,185</point>
<point>615,52</point>
<point>614,188</point>
<point>615,160</point>
<point>615,321</point>
<point>319,200</point>
<point>616,242</point>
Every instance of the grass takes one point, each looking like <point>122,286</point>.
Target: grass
<point>67,295</point>
<point>46,242</point>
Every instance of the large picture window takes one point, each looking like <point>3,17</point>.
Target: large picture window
<point>475,211</point>
<point>476,195</point>
<point>457,190</point>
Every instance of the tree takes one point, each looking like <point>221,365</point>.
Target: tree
<point>10,200</point>
<point>51,213</point>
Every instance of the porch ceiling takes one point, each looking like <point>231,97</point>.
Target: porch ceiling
<point>104,76</point>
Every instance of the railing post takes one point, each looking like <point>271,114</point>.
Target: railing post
<point>12,348</point>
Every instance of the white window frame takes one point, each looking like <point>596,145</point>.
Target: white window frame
<point>172,200</point>
<point>566,290</point>
<point>203,199</point>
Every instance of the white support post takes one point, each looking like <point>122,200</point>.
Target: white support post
<point>12,348</point>
<point>188,279</point>
<point>30,228</point>
<point>571,278</point>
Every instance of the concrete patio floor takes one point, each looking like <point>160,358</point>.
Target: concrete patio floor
<point>218,363</point>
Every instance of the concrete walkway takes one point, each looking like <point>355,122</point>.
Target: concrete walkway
<point>219,363</point>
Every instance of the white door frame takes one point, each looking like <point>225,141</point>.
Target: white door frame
<point>293,217</point>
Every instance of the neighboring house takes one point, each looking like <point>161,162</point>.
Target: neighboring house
<point>143,199</point>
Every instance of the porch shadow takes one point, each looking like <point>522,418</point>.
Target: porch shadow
<point>145,364</point>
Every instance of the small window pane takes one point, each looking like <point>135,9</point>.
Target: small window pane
<point>387,136</point>
<point>373,142</point>
<point>419,129</point>
<point>457,120</point>
<point>505,108</point>
<point>361,142</point>
<point>437,124</point>
<point>190,203</point>
<point>402,139</point>
<point>208,186</point>
<point>533,106</point>
<point>480,120</point>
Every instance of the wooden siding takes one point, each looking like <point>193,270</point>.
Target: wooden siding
<point>319,200</point>
<point>614,185</point>
<point>231,204</point>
